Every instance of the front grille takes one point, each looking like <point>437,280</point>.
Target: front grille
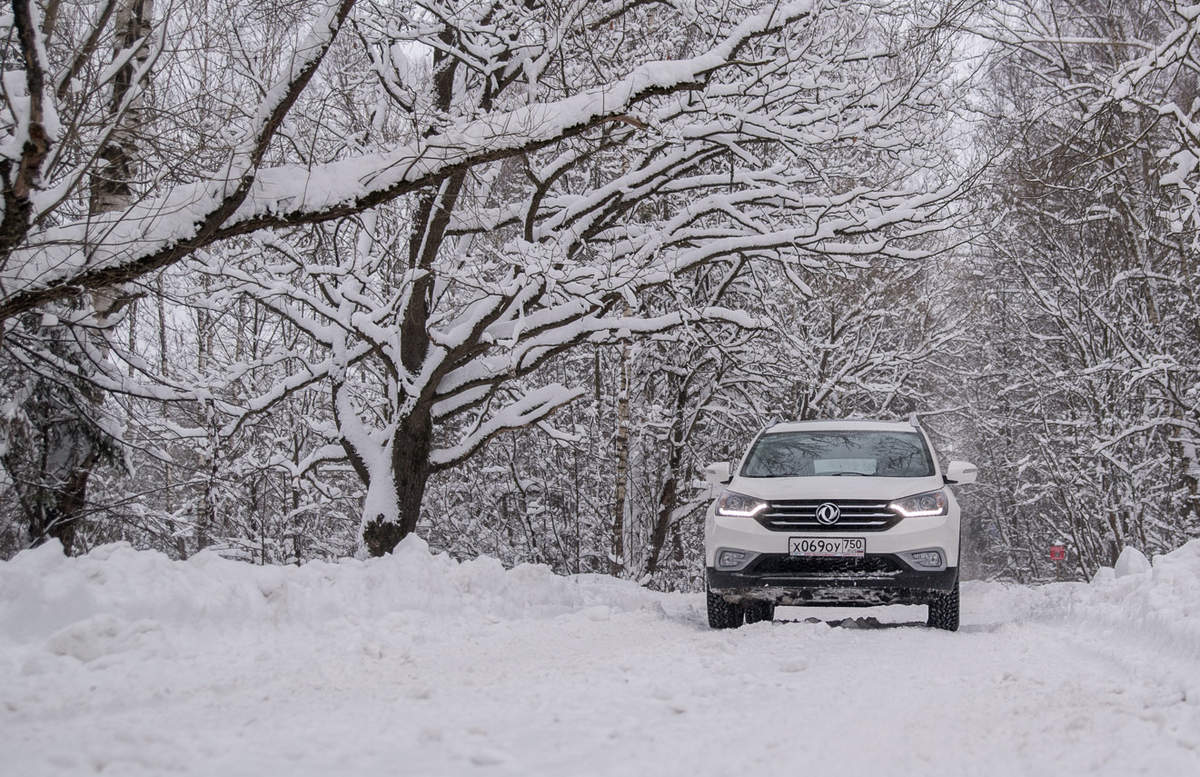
<point>801,515</point>
<point>804,566</point>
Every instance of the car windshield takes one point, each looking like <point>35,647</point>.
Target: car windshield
<point>848,453</point>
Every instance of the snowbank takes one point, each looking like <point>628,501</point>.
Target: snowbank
<point>418,664</point>
<point>1155,603</point>
<point>116,590</point>
<point>1159,600</point>
<point>116,593</point>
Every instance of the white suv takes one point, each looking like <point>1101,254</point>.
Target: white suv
<point>834,513</point>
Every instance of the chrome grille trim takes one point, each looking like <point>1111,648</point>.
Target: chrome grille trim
<point>800,515</point>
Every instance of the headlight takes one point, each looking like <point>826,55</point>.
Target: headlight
<point>922,505</point>
<point>739,505</point>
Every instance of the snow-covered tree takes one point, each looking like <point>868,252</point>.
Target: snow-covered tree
<point>1084,390</point>
<point>440,199</point>
<point>797,135</point>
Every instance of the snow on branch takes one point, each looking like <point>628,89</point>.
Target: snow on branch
<point>56,262</point>
<point>533,407</point>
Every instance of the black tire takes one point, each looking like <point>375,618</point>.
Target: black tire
<point>757,611</point>
<point>722,614</point>
<point>943,610</point>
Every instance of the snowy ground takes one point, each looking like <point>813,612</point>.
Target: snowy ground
<point>125,663</point>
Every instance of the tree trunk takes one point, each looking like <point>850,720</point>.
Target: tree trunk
<point>393,507</point>
<point>52,510</point>
<point>666,510</point>
<point>622,474</point>
<point>410,465</point>
<point>669,497</point>
<point>385,525</point>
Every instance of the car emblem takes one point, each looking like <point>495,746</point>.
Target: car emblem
<point>828,513</point>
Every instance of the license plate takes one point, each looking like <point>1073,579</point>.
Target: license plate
<point>852,547</point>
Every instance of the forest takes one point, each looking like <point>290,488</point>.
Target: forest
<point>294,279</point>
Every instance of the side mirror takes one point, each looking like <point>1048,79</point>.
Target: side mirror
<point>960,472</point>
<point>717,473</point>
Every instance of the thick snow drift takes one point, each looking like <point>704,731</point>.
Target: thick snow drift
<point>1158,603</point>
<point>43,593</point>
<point>126,662</point>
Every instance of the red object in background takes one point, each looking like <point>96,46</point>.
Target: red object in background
<point>1058,553</point>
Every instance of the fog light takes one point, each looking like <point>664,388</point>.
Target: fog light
<point>928,558</point>
<point>730,558</point>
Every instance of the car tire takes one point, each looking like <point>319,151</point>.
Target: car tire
<point>943,610</point>
<point>722,614</point>
<point>757,611</point>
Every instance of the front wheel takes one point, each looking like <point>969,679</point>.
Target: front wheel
<point>722,614</point>
<point>943,610</point>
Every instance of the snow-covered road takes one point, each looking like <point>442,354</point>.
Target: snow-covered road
<point>126,663</point>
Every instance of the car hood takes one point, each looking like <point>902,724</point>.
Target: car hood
<point>834,487</point>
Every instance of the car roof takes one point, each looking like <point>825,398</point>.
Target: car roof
<point>842,425</point>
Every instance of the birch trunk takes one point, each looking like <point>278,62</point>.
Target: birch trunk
<point>622,451</point>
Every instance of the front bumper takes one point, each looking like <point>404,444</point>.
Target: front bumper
<point>879,578</point>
